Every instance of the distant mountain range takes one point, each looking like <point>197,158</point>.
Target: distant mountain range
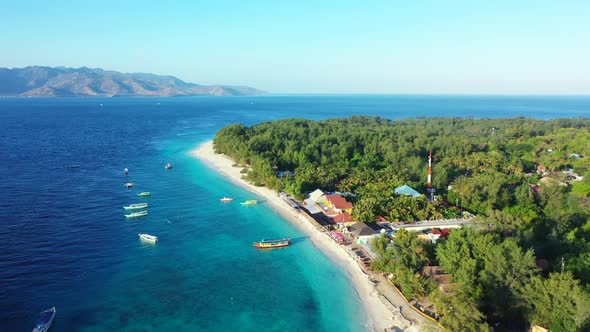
<point>37,81</point>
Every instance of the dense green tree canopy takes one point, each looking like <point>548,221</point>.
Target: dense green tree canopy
<point>527,180</point>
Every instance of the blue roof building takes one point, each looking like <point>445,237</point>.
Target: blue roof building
<point>282,174</point>
<point>407,191</point>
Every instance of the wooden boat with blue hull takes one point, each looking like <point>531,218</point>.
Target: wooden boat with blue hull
<point>44,321</point>
<point>136,206</point>
<point>268,244</point>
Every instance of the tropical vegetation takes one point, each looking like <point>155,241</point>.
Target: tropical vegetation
<point>527,180</point>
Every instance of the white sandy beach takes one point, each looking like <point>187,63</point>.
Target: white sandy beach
<point>380,312</point>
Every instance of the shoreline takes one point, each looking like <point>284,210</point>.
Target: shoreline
<point>381,314</point>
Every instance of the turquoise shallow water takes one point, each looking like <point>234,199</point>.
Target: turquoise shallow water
<point>66,242</point>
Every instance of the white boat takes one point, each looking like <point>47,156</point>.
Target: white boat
<point>168,166</point>
<point>226,199</point>
<point>129,184</point>
<point>147,237</point>
<point>136,206</point>
<point>44,321</point>
<point>137,214</point>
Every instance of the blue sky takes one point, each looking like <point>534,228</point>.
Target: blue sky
<point>430,47</point>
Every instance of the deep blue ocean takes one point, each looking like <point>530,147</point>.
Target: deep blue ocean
<point>64,240</point>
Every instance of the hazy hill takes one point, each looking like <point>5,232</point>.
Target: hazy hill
<point>37,81</point>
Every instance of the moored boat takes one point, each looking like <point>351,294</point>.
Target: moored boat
<point>144,194</point>
<point>44,321</point>
<point>226,199</point>
<point>136,206</point>
<point>137,214</point>
<point>267,244</point>
<point>249,202</point>
<point>168,166</point>
<point>148,237</point>
<point>129,184</point>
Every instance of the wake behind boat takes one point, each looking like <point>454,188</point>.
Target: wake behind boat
<point>267,244</point>
<point>44,321</point>
<point>137,214</point>
<point>148,237</point>
<point>136,206</point>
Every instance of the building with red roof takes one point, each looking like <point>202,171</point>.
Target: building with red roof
<point>338,203</point>
<point>344,219</point>
<point>541,169</point>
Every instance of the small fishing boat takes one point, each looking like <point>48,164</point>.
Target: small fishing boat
<point>144,194</point>
<point>147,237</point>
<point>249,202</point>
<point>126,171</point>
<point>267,244</point>
<point>44,321</point>
<point>168,166</point>
<point>226,199</point>
<point>137,214</point>
<point>136,206</point>
<point>129,184</point>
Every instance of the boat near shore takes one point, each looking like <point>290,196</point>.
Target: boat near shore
<point>136,206</point>
<point>226,199</point>
<point>268,244</point>
<point>144,194</point>
<point>137,214</point>
<point>148,237</point>
<point>44,321</point>
<point>249,202</point>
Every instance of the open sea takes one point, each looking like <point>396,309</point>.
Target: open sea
<point>65,242</point>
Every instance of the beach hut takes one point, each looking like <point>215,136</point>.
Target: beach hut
<point>317,196</point>
<point>406,190</point>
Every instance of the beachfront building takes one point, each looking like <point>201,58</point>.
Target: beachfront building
<point>406,190</point>
<point>343,219</point>
<point>318,196</point>
<point>442,278</point>
<point>338,204</point>
<point>363,232</point>
<point>311,206</point>
<point>315,202</point>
